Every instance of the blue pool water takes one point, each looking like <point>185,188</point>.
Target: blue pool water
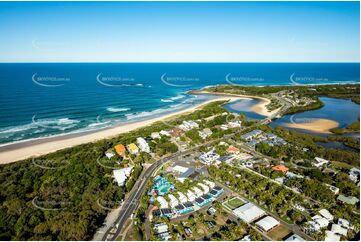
<point>39,100</point>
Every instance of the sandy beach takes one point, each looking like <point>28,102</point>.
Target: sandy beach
<point>319,126</point>
<point>27,149</point>
<point>259,108</point>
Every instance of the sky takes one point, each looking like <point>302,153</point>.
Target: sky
<point>179,32</point>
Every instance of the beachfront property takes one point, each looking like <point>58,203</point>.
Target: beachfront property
<point>249,212</point>
<point>109,154</point>
<point>319,162</point>
<point>176,132</point>
<point>133,149</point>
<point>143,145</point>
<point>122,175</point>
<point>209,157</point>
<point>188,125</point>
<point>155,135</point>
<point>120,149</point>
<point>267,223</point>
<point>281,168</point>
<point>164,133</point>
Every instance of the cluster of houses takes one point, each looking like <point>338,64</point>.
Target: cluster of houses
<point>162,231</point>
<point>257,136</point>
<point>322,221</point>
<point>192,200</point>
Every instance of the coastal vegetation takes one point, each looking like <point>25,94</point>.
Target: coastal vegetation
<point>66,195</point>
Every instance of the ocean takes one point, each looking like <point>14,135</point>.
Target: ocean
<point>47,99</point>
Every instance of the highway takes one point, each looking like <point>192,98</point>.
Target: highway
<point>132,200</point>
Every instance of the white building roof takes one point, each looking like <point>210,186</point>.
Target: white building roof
<point>121,175</point>
<point>173,200</point>
<point>330,236</point>
<point>326,214</point>
<point>165,133</point>
<point>344,223</point>
<point>180,169</point>
<point>321,221</point>
<point>161,228</point>
<point>191,196</point>
<point>143,144</point>
<point>337,229</point>
<point>162,201</point>
<point>182,198</point>
<point>198,191</point>
<point>267,223</point>
<point>248,212</point>
<point>204,187</point>
<point>295,237</point>
<point>209,183</point>
<point>155,135</point>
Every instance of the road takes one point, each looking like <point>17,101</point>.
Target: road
<point>132,200</point>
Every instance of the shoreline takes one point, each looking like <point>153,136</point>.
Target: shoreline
<point>35,148</point>
<point>259,108</point>
<point>322,126</point>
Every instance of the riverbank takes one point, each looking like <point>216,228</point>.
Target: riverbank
<point>259,108</point>
<point>34,148</point>
<point>319,126</point>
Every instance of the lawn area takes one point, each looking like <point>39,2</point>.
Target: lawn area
<point>279,233</point>
<point>233,203</point>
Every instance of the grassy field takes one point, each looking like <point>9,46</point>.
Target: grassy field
<point>233,203</point>
<point>279,233</point>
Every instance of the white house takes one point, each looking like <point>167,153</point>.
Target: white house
<point>191,196</point>
<point>354,174</point>
<point>198,192</point>
<point>109,154</point>
<point>142,144</point>
<point>122,175</point>
<point>326,214</point>
<point>205,133</point>
<point>161,228</point>
<point>209,183</point>
<point>331,236</point>
<point>188,125</point>
<point>155,135</point>
<point>267,223</point>
<point>173,201</point>
<point>235,124</point>
<point>204,188</point>
<point>165,133</point>
<point>320,162</point>
<point>182,198</point>
<point>338,229</point>
<point>162,201</point>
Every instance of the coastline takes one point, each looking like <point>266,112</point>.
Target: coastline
<point>35,148</point>
<point>259,108</point>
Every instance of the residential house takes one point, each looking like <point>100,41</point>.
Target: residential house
<point>120,149</point>
<point>133,148</point>
<point>143,145</point>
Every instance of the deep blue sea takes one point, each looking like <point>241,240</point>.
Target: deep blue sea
<point>39,100</point>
